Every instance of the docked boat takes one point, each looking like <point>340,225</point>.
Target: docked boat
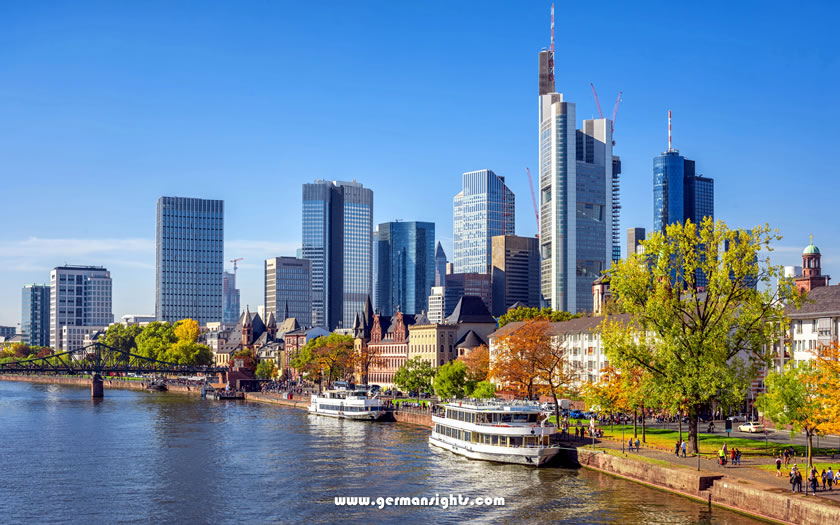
<point>496,430</point>
<point>157,385</point>
<point>347,403</point>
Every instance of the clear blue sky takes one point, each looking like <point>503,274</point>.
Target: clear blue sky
<point>105,106</point>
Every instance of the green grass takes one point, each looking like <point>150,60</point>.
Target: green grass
<point>801,463</point>
<point>637,457</point>
<point>423,402</point>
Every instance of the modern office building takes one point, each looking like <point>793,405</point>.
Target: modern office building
<point>287,289</point>
<point>516,272</point>
<point>459,285</point>
<point>230,299</point>
<point>338,240</point>
<point>405,266</point>
<point>440,265</point>
<point>484,208</point>
<point>189,259</point>
<point>437,308</point>
<point>635,236</point>
<point>7,332</point>
<point>35,315</point>
<point>577,198</point>
<point>80,297</point>
<point>679,194</point>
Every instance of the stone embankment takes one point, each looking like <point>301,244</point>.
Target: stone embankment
<point>109,383</point>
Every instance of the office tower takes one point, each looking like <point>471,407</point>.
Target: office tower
<point>577,200</point>
<point>437,308</point>
<point>482,209</point>
<point>440,265</point>
<point>405,266</point>
<point>80,296</point>
<point>635,236</point>
<point>7,332</point>
<point>472,284</point>
<point>230,298</point>
<point>189,259</point>
<point>35,315</point>
<point>516,272</point>
<point>287,289</point>
<point>338,240</point>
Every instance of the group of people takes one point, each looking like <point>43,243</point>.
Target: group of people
<point>814,477</point>
<point>724,455</point>
<point>630,444</point>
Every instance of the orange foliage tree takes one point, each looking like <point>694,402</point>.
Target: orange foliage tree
<point>477,363</point>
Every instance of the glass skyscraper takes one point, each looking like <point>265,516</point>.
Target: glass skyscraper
<point>189,259</point>
<point>287,289</point>
<point>405,266</point>
<point>35,315</point>
<point>484,208</point>
<point>230,299</point>
<point>338,240</point>
<point>679,194</point>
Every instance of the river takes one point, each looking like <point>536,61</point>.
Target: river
<point>137,457</point>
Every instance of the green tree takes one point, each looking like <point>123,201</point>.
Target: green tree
<point>415,375</point>
<point>545,314</point>
<point>188,353</point>
<point>793,398</point>
<point>155,339</point>
<point>327,357</point>
<point>687,337</point>
<point>451,380</point>
<point>266,369</point>
<point>483,390</point>
<point>122,337</point>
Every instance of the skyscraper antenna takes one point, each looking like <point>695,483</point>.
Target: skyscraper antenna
<point>552,30</point>
<point>669,130</point>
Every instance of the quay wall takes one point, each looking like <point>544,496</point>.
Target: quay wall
<point>85,383</point>
<point>423,419</point>
<point>301,402</point>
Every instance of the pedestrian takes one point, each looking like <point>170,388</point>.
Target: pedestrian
<point>684,445</point>
<point>722,457</point>
<point>732,456</point>
<point>778,466</point>
<point>677,449</point>
<point>813,480</point>
<point>630,444</point>
<point>792,479</point>
<point>798,478</point>
<point>725,450</point>
<point>830,477</point>
<point>786,454</point>
<point>824,478</point>
<point>637,449</point>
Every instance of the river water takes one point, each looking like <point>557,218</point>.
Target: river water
<point>137,457</point>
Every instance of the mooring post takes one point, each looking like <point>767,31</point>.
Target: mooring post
<point>97,386</point>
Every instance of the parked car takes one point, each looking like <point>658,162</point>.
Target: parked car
<point>751,427</point>
<point>737,419</point>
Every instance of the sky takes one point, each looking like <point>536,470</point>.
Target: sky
<point>106,106</point>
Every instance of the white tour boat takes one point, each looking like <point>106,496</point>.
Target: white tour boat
<point>347,404</point>
<point>496,430</point>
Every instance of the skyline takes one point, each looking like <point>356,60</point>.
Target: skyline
<point>116,117</point>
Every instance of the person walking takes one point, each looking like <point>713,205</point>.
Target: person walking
<point>824,478</point>
<point>683,446</point>
<point>677,449</point>
<point>778,466</point>
<point>637,449</point>
<point>630,444</point>
<point>732,457</point>
<point>786,454</point>
<point>830,477</point>
<point>813,480</point>
<point>722,457</point>
<point>792,479</point>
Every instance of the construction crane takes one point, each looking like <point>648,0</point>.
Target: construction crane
<point>601,113</point>
<point>534,200</point>
<point>234,261</point>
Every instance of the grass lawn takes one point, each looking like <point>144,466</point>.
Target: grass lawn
<point>801,463</point>
<point>637,457</point>
<point>423,402</point>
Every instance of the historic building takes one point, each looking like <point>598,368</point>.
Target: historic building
<point>812,276</point>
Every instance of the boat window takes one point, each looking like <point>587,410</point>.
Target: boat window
<point>506,418</point>
<point>472,417</point>
<point>467,436</point>
<point>495,440</point>
<point>515,441</point>
<point>532,418</point>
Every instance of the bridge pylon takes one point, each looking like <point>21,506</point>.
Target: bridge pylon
<point>97,386</point>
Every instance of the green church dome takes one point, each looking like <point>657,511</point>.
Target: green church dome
<point>811,249</point>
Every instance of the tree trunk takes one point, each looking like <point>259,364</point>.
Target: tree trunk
<point>644,433</point>
<point>679,424</point>
<point>692,428</point>
<point>810,435</point>
<point>635,421</point>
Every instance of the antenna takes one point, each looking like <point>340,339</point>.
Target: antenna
<point>552,30</point>
<point>669,130</point>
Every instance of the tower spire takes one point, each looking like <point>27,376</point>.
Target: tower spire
<point>669,130</point>
<point>552,30</point>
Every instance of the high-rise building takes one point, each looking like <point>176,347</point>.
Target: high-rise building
<point>635,236</point>
<point>440,265</point>
<point>189,259</point>
<point>459,285</point>
<point>338,240</point>
<point>405,266</point>
<point>679,194</point>
<point>516,272</point>
<point>80,296</point>
<point>577,198</point>
<point>35,315</point>
<point>437,308</point>
<point>287,289</point>
<point>7,332</point>
<point>230,299</point>
<point>483,209</point>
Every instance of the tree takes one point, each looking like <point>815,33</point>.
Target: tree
<point>608,394</point>
<point>828,377</point>
<point>155,339</point>
<point>266,369</point>
<point>451,380</point>
<point>477,363</point>
<point>122,337</point>
<point>187,330</point>
<point>415,375</point>
<point>793,398</point>
<point>327,356</point>
<point>365,358</point>
<point>484,390</point>
<point>188,353</point>
<point>698,343</point>
<point>524,313</point>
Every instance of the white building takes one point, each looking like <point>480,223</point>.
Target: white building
<point>436,305</point>
<point>75,337</point>
<point>137,319</point>
<point>80,296</point>
<point>815,324</point>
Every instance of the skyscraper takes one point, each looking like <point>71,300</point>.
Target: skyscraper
<point>35,315</point>
<point>576,175</point>
<point>405,266</point>
<point>80,296</point>
<point>516,272</point>
<point>440,265</point>
<point>679,194</point>
<point>635,236</point>
<point>287,289</point>
<point>338,240</point>
<point>485,207</point>
<point>460,284</point>
<point>230,298</point>
<point>189,259</point>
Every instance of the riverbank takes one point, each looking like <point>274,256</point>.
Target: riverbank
<point>84,382</point>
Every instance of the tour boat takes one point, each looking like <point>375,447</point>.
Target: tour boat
<point>347,404</point>
<point>496,430</point>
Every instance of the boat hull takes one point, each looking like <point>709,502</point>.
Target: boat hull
<point>372,415</point>
<point>532,457</point>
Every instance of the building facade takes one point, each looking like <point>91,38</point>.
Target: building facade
<point>635,236</point>
<point>459,285</point>
<point>484,207</point>
<point>811,276</point>
<point>80,296</point>
<point>338,240</point>
<point>288,289</point>
<point>189,260</point>
<point>230,298</point>
<point>433,342</point>
<point>440,265</point>
<point>679,194</point>
<point>576,175</point>
<point>437,307</point>
<point>405,266</point>
<point>516,272</point>
<point>35,315</point>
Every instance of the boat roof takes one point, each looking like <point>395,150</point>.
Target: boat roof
<point>498,405</point>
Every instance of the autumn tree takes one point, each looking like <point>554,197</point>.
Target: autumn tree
<point>478,363</point>
<point>186,350</point>
<point>608,394</point>
<point>329,356</point>
<point>365,358</point>
<point>524,313</point>
<point>266,369</point>
<point>828,377</point>
<point>705,304</point>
